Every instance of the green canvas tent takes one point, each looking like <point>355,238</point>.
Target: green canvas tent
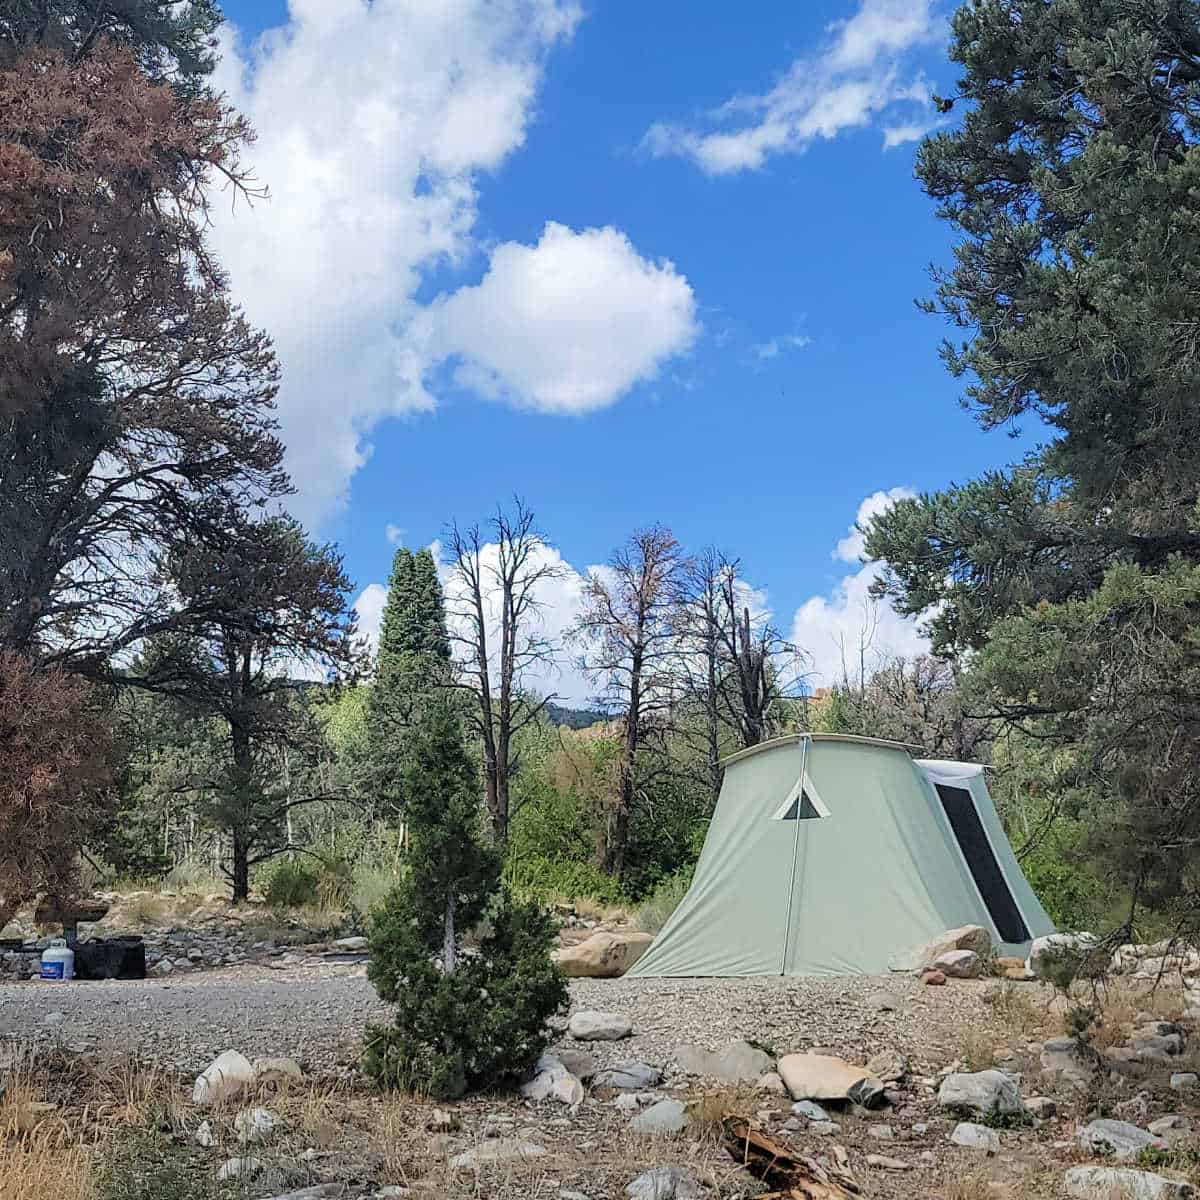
<point>832,855</point>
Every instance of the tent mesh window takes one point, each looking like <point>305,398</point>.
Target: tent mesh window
<point>801,809</point>
<point>985,870</point>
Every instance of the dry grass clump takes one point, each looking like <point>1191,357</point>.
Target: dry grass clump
<point>39,1167</point>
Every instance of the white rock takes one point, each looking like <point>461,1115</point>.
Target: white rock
<point>806,1108</point>
<point>965,937</point>
<point>1103,1183</point>
<point>883,1163</point>
<point>734,1063</point>
<point>1063,1057</point>
<point>976,1137</point>
<point>253,1125</point>
<point>237,1168</point>
<point>663,1119</point>
<point>1183,1081</point>
<point>1044,950</point>
<point>825,1077</point>
<point>772,1084</point>
<point>982,1092</point>
<point>665,1183</point>
<point>204,1135</point>
<point>225,1077</point>
<point>958,964</point>
<point>351,943</point>
<point>552,1081</point>
<point>630,1076</point>
<point>277,1071</point>
<point>496,1150</point>
<point>1118,1138</point>
<point>592,1026</point>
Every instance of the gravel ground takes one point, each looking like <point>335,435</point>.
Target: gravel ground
<point>316,1014</point>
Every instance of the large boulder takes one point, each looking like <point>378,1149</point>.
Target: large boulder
<point>733,1063</point>
<point>1118,1138</point>
<point>824,1077</point>
<point>628,1077</point>
<point>552,1081</point>
<point>959,964</point>
<point>976,1137</point>
<point>1064,1059</point>
<point>592,1026</point>
<point>990,1093</point>
<point>228,1075</point>
<point>604,955</point>
<point>965,937</point>
<point>1102,1183</point>
<point>664,1119</point>
<point>1045,952</point>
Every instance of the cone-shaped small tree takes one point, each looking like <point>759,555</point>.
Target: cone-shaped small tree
<point>464,1018</point>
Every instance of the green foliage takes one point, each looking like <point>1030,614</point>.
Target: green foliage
<point>656,909</point>
<point>292,884</point>
<point>539,877</point>
<point>148,1165</point>
<point>472,1020</point>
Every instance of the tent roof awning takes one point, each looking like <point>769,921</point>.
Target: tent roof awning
<point>793,738</point>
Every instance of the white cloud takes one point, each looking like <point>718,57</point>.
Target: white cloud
<point>375,122</point>
<point>394,533</point>
<point>911,131</point>
<point>568,325</point>
<point>857,75</point>
<point>764,352</point>
<point>836,628</point>
<point>852,547</point>
<point>369,609</point>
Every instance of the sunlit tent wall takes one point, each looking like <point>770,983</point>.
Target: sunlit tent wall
<point>831,855</point>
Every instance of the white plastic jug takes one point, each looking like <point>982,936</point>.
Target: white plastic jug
<point>58,961</point>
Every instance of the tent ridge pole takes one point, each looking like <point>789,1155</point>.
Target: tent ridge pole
<point>787,931</point>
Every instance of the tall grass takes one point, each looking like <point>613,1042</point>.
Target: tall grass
<point>654,912</point>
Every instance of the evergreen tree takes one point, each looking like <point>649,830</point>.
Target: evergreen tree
<point>461,1021</point>
<point>412,665</point>
<point>1072,182</point>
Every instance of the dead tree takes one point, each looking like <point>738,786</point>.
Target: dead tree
<point>493,610</point>
<point>628,633</point>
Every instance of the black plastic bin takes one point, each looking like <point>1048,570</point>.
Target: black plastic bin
<point>110,958</point>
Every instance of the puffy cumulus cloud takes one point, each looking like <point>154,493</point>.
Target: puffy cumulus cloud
<point>856,76</point>
<point>835,629</point>
<point>374,123</point>
<point>567,325</point>
<point>369,610</point>
<point>394,533</point>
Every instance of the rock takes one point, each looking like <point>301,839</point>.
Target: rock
<point>277,1072</point>
<point>1103,1183</point>
<point>663,1119</point>
<point>165,966</point>
<point>604,955</point>
<point>496,1150</point>
<point>225,1077</point>
<point>442,1120</point>
<point>772,1084</point>
<point>579,1062</point>
<point>959,964</point>
<point>54,1018</point>
<point>254,1125</point>
<point>1184,1081</point>
<point>592,1026</point>
<point>881,1133</point>
<point>627,1102</point>
<point>824,1128</point>
<point>632,1076</point>
<point>965,937</point>
<point>204,1135</point>
<point>884,1001</point>
<point>1136,1110</point>
<point>1117,1138</point>
<point>733,1063</point>
<point>985,1092</point>
<point>883,1163</point>
<point>888,1066</point>
<point>1041,1107</point>
<point>933,978</point>
<point>239,1168</point>
<point>824,1077</point>
<point>1063,1057</point>
<point>1045,951</point>
<point>665,1183</point>
<point>1171,1123</point>
<point>350,943</point>
<point>814,1112</point>
<point>976,1137</point>
<point>1019,975</point>
<point>1004,963</point>
<point>1157,1049</point>
<point>552,1081</point>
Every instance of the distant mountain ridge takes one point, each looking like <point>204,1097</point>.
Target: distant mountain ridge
<point>573,718</point>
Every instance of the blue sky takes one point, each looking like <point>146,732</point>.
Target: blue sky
<point>717,333</point>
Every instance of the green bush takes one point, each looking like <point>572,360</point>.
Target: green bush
<point>292,885</point>
<point>481,1027</point>
<point>654,911</point>
<point>537,877</point>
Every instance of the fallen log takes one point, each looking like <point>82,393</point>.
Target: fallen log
<point>793,1176</point>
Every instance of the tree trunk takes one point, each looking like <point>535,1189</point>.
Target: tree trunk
<point>614,854</point>
<point>241,868</point>
<point>449,946</point>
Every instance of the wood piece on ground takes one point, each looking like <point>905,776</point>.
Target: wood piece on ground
<point>794,1176</point>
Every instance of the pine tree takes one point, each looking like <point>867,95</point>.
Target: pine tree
<point>412,665</point>
<point>462,1021</point>
<point>1074,578</point>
